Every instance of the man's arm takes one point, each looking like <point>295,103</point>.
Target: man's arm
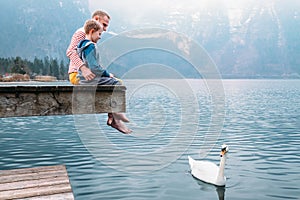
<point>75,62</point>
<point>71,51</point>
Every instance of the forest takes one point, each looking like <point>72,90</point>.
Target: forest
<point>47,66</point>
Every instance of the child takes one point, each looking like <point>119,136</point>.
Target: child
<point>75,61</point>
<point>88,53</point>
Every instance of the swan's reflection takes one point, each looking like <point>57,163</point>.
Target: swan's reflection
<point>206,187</point>
<point>221,192</point>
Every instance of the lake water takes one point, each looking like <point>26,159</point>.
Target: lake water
<point>258,119</point>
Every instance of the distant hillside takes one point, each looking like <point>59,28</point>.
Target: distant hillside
<point>251,39</point>
<point>39,28</point>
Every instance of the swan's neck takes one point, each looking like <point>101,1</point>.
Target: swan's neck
<point>222,166</point>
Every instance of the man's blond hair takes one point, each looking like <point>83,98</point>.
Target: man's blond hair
<point>100,13</point>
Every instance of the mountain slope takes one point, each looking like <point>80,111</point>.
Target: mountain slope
<point>40,28</point>
<point>245,38</point>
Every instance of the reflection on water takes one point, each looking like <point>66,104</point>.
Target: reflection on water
<point>261,127</point>
<point>220,190</point>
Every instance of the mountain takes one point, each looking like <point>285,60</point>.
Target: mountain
<point>39,28</point>
<point>246,38</point>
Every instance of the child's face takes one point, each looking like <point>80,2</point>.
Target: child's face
<point>96,35</point>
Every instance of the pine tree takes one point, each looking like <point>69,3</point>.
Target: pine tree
<point>46,67</point>
<point>37,66</point>
<point>54,68</point>
<point>18,66</point>
<point>62,71</point>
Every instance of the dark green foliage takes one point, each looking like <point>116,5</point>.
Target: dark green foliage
<point>19,66</point>
<point>44,66</point>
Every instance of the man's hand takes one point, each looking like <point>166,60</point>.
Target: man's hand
<point>87,73</point>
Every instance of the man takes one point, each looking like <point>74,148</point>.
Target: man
<point>75,62</point>
<point>88,52</point>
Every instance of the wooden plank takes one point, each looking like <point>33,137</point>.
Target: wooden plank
<point>33,170</point>
<point>18,101</point>
<point>35,191</point>
<point>32,176</point>
<point>63,196</point>
<point>50,182</point>
<point>22,184</point>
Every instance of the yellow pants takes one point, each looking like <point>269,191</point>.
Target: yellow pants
<point>73,78</point>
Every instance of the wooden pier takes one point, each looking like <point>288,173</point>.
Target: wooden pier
<point>41,183</point>
<point>41,100</point>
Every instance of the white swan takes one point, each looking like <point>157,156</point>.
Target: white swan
<point>208,171</point>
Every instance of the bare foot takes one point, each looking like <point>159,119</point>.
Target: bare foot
<point>110,119</point>
<point>117,124</point>
<point>120,116</point>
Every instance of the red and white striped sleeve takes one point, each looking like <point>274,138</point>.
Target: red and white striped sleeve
<point>75,61</point>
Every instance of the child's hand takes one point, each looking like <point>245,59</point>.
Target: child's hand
<point>111,75</point>
<point>87,73</point>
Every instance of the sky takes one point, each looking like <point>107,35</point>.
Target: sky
<point>152,12</point>
<point>137,11</point>
<point>179,15</point>
<point>133,8</point>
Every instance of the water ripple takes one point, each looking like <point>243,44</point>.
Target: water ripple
<point>261,128</point>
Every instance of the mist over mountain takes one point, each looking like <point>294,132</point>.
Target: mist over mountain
<point>247,38</point>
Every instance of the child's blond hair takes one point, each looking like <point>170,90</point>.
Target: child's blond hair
<point>92,24</point>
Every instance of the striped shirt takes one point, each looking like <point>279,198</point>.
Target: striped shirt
<point>75,61</point>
